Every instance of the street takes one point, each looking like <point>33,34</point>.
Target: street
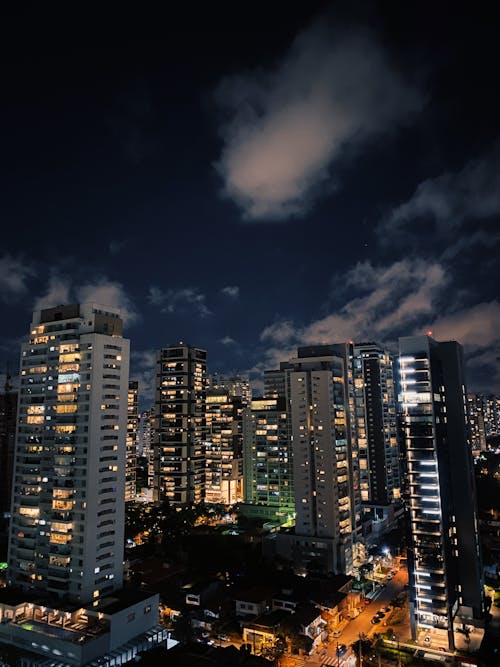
<point>362,624</point>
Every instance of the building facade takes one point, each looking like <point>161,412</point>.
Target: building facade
<point>267,465</point>
<point>224,447</point>
<point>66,534</point>
<point>376,425</point>
<point>444,559</point>
<point>235,385</point>
<point>475,415</point>
<point>65,603</point>
<point>179,425</point>
<point>132,426</point>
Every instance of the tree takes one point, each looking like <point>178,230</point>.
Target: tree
<point>274,650</point>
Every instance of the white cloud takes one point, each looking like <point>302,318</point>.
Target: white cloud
<point>232,291</point>
<point>279,332</point>
<point>227,340</point>
<point>57,294</point>
<point>477,326</point>
<point>179,300</point>
<point>143,369</point>
<point>449,200</point>
<point>391,299</point>
<point>103,292</point>
<point>14,274</point>
<point>285,128</point>
<point>108,293</point>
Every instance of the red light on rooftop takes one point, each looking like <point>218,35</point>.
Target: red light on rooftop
<point>429,333</point>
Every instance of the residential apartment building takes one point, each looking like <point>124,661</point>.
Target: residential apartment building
<point>444,559</point>
<point>235,385</point>
<point>132,426</point>
<point>179,426</point>
<point>267,462</point>
<point>376,425</point>
<point>66,536</point>
<point>475,416</point>
<point>224,447</point>
<point>318,387</point>
<point>65,602</point>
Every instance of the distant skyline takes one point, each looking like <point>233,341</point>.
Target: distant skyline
<point>248,180</point>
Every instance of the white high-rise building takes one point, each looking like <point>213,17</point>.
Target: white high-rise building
<point>66,535</point>
<point>68,502</point>
<point>318,387</point>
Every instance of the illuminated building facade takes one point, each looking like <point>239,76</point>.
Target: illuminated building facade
<point>268,470</point>
<point>66,536</point>
<point>319,400</point>
<point>235,385</point>
<point>132,424</point>
<point>491,412</point>
<point>375,401</point>
<point>224,447</point>
<point>65,604</point>
<point>179,428</point>
<point>475,415</point>
<point>444,557</point>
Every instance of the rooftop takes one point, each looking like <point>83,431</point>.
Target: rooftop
<point>122,599</point>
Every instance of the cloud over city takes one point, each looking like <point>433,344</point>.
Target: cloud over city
<point>14,276</point>
<point>283,129</point>
<point>174,300</point>
<point>449,200</point>
<point>104,292</point>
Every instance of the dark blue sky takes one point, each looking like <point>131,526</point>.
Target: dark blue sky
<point>250,179</point>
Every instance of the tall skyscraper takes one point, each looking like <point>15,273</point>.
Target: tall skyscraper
<point>375,401</point>
<point>66,536</point>
<point>319,403</point>
<point>444,559</point>
<point>132,424</point>
<point>179,429</point>
<point>475,415</point>
<point>318,386</point>
<point>8,412</point>
<point>491,412</point>
<point>68,502</point>
<point>268,470</point>
<point>224,447</point>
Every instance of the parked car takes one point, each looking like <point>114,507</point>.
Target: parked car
<point>375,620</point>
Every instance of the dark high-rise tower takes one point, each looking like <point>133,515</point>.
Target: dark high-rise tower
<point>446,588</point>
<point>131,443</point>
<point>179,428</point>
<point>376,418</point>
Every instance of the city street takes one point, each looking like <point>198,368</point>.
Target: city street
<point>362,624</point>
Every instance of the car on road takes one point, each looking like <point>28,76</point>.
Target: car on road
<point>389,577</point>
<point>380,614</point>
<point>375,620</point>
<point>386,609</point>
<point>337,633</point>
<point>341,649</point>
<point>367,601</point>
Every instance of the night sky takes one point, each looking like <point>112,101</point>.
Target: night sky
<point>250,177</point>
